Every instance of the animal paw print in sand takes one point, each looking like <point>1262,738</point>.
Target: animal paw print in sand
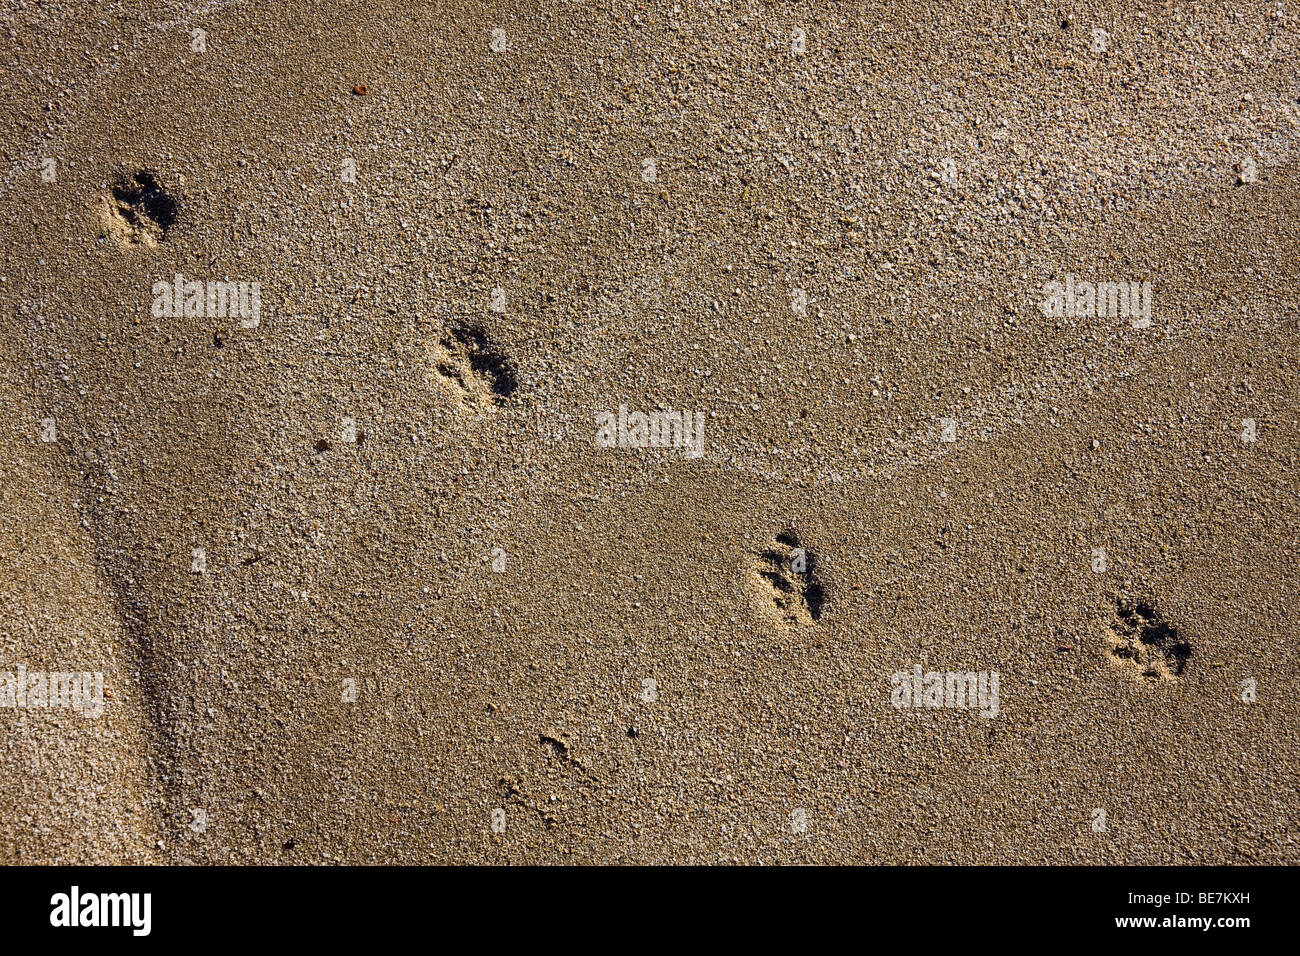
<point>139,211</point>
<point>785,577</point>
<point>1142,639</point>
<point>476,373</point>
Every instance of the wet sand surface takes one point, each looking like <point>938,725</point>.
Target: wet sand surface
<point>365,583</point>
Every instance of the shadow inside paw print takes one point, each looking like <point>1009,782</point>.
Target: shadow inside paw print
<point>140,210</point>
<point>476,372</point>
<point>1141,637</point>
<point>787,578</point>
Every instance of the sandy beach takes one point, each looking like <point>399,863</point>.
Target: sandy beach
<point>699,432</point>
